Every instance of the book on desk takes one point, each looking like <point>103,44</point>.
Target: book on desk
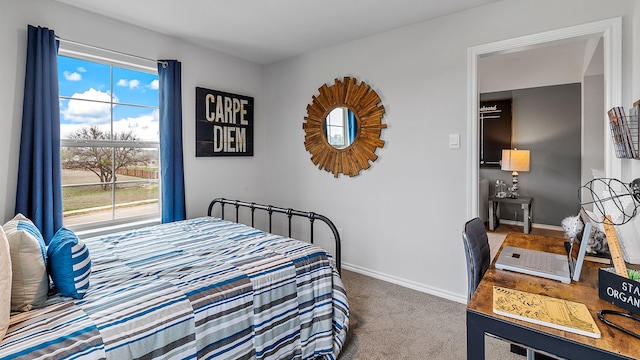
<point>561,314</point>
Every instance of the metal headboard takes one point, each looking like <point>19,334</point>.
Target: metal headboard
<point>270,209</point>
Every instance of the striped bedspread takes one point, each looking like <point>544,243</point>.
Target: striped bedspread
<point>200,288</point>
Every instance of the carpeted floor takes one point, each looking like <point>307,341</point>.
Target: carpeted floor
<point>393,322</point>
<point>389,321</point>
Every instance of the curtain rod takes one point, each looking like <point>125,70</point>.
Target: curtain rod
<point>164,63</point>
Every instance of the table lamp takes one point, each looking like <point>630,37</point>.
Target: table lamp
<point>515,160</point>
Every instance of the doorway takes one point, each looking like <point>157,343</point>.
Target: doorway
<point>610,31</point>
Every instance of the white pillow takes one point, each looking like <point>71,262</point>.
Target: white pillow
<point>30,283</point>
<point>5,284</point>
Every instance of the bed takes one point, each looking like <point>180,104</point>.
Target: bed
<point>200,288</point>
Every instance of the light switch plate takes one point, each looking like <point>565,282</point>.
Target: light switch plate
<point>454,141</point>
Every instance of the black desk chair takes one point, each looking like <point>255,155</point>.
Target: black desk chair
<point>478,254</point>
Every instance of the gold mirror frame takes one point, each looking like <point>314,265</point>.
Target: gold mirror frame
<point>365,104</point>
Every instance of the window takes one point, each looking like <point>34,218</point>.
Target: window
<point>336,127</point>
<point>341,127</point>
<point>109,141</point>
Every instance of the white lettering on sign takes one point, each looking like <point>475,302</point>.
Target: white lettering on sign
<point>489,108</point>
<point>225,109</point>
<point>630,287</point>
<point>623,297</point>
<point>243,112</point>
<point>229,139</point>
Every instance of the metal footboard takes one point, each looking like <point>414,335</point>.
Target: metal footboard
<point>270,209</point>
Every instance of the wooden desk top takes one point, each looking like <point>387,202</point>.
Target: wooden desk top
<point>584,291</point>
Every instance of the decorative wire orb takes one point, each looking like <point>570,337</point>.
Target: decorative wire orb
<point>611,197</point>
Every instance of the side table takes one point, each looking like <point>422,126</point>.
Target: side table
<point>494,210</point>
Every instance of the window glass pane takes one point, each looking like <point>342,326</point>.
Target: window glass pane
<point>136,199</point>
<point>83,79</point>
<point>136,183</point>
<point>135,87</point>
<point>82,114</point>
<point>73,174</point>
<point>84,204</point>
<point>89,160</point>
<point>142,123</point>
<point>137,190</point>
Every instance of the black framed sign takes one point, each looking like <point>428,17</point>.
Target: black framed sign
<point>224,123</point>
<point>495,131</point>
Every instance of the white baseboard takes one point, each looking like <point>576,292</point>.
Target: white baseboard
<point>548,227</point>
<point>425,288</point>
<point>533,225</point>
<point>406,283</point>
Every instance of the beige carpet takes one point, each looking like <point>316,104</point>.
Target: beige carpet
<point>393,322</point>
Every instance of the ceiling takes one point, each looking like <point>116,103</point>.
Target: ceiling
<point>266,31</point>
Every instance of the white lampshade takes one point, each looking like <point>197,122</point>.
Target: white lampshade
<point>515,160</point>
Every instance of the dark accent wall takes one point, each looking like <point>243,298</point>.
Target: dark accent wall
<point>546,121</point>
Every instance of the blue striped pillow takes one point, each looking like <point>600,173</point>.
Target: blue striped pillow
<point>69,263</point>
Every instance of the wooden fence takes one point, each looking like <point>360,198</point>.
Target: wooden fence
<point>145,174</point>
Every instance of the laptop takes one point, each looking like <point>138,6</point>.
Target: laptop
<point>561,267</point>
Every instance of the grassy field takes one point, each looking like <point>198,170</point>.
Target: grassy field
<point>84,197</point>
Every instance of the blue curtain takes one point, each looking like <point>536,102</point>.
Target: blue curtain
<point>171,165</point>
<point>352,126</point>
<point>39,192</point>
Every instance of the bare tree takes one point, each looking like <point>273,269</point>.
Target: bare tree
<point>102,161</point>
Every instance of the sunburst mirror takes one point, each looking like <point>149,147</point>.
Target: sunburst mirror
<point>343,126</point>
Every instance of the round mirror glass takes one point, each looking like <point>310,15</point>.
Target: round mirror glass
<point>340,127</point>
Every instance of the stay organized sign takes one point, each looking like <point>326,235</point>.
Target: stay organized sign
<point>224,124</point>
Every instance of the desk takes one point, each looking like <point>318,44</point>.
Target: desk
<point>494,210</point>
<point>613,344</point>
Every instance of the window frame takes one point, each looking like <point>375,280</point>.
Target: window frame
<point>110,58</point>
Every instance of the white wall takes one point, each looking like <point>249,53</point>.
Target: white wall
<point>545,66</point>
<point>402,219</point>
<point>593,127</point>
<point>634,165</point>
<point>206,178</point>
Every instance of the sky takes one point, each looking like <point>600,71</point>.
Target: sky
<point>81,79</point>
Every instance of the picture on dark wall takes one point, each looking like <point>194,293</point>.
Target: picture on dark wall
<point>224,124</point>
<point>495,131</point>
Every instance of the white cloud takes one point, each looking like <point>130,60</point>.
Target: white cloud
<point>72,76</point>
<point>132,84</point>
<point>89,112</point>
<point>154,84</point>
<point>81,69</point>
<point>145,127</point>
